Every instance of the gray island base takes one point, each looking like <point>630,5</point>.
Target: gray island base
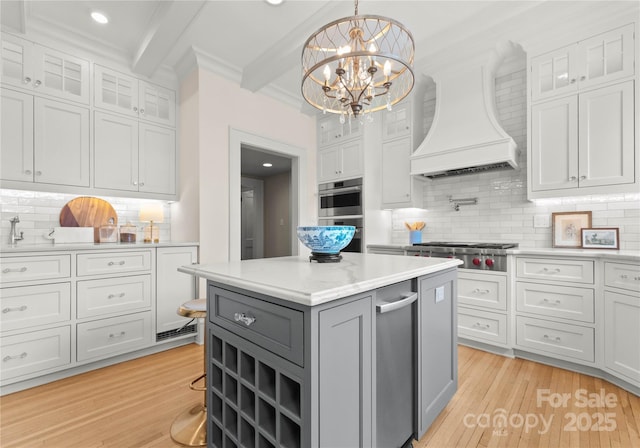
<point>360,353</point>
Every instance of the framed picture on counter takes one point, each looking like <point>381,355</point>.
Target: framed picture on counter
<point>566,228</point>
<point>600,238</point>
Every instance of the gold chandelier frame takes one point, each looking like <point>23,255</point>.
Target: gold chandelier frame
<point>358,64</point>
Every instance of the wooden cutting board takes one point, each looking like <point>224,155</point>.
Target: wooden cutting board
<point>86,211</point>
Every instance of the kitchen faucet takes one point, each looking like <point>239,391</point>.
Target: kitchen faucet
<point>14,232</point>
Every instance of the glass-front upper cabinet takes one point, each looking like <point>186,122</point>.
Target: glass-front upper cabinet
<point>43,70</point>
<point>597,60</point>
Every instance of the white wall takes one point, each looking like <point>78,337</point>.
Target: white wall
<point>223,105</point>
<point>503,212</point>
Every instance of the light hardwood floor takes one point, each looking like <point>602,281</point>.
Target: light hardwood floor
<point>133,404</point>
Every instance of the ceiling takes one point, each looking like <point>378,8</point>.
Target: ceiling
<point>260,45</point>
<point>251,161</point>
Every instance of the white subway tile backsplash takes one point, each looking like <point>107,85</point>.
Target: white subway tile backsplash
<point>40,211</point>
<point>503,212</point>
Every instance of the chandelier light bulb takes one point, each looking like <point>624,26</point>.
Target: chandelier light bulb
<point>387,68</point>
<point>327,73</point>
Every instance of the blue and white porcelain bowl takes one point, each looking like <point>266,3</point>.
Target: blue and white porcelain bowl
<point>326,239</point>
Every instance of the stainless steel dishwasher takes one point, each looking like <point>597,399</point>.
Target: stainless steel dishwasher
<point>396,311</point>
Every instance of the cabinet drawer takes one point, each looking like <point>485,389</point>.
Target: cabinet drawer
<point>557,301</point>
<point>113,295</point>
<point>36,351</point>
<point>625,276</point>
<point>114,263</point>
<point>486,290</point>
<point>107,337</point>
<point>273,327</point>
<point>553,338</point>
<point>20,269</point>
<point>481,325</point>
<point>576,271</point>
<point>29,306</point>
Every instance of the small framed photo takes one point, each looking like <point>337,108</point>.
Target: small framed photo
<point>600,238</point>
<point>566,227</point>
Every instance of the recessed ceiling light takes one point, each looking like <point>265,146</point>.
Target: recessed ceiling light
<point>274,2</point>
<point>267,165</point>
<point>99,17</point>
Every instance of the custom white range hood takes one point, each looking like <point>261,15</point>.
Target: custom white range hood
<point>465,136</point>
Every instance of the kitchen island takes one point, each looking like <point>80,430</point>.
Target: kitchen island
<point>295,352</point>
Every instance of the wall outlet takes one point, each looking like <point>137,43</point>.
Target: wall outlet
<point>541,221</point>
<point>439,294</point>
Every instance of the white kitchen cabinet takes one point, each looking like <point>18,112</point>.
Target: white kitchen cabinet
<point>342,161</point>
<point>399,188</point>
<point>597,60</point>
<point>331,131</point>
<point>483,307</point>
<point>44,141</point>
<point>397,122</point>
<point>43,70</point>
<point>400,135</point>
<point>622,320</point>
<point>133,156</point>
<point>17,136</point>
<point>584,140</point>
<point>121,93</point>
<point>61,143</point>
<point>173,287</point>
<point>555,307</point>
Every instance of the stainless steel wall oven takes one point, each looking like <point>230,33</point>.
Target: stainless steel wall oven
<point>342,198</point>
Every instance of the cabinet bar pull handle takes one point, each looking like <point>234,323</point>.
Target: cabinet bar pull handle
<point>14,308</point>
<point>112,296</point>
<point>119,263</point>
<point>245,319</point>
<point>551,271</point>
<point>7,270</point>
<point>9,358</point>
<point>482,326</point>
<point>548,338</point>
<point>549,302</point>
<point>119,335</point>
<point>481,291</point>
<point>623,276</point>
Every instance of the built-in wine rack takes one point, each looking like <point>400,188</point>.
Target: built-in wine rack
<point>252,404</point>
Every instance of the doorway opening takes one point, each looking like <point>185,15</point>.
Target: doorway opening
<point>266,219</point>
<point>242,142</point>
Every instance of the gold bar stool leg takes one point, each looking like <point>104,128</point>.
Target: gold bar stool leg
<point>190,426</point>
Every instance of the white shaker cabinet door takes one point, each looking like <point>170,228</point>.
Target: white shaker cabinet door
<point>606,138</point>
<point>17,62</point>
<point>16,117</point>
<point>554,141</point>
<point>115,91</point>
<point>157,159</point>
<point>554,73</point>
<point>61,74</point>
<point>157,104</point>
<point>396,178</point>
<point>173,287</point>
<point>606,57</point>
<point>115,152</point>
<point>61,143</point>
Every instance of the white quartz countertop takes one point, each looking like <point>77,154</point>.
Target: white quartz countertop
<point>620,255</point>
<point>51,247</point>
<point>311,283</point>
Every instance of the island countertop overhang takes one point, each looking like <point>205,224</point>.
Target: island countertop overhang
<point>297,280</point>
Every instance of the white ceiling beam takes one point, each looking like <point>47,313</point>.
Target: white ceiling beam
<point>286,53</point>
<point>171,19</point>
<point>15,12</point>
